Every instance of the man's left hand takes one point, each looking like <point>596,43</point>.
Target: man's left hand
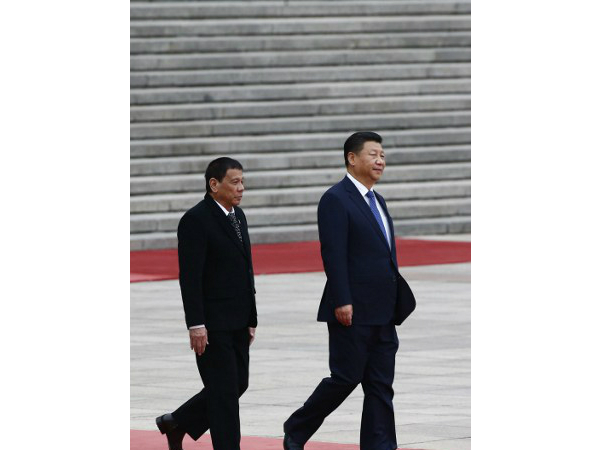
<point>344,314</point>
<point>252,332</point>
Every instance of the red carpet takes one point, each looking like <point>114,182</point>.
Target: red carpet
<point>153,440</point>
<point>294,257</point>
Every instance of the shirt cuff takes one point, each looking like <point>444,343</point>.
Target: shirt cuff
<point>196,326</point>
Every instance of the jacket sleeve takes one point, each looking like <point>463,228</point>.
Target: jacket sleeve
<point>333,234</point>
<point>253,314</point>
<point>192,256</point>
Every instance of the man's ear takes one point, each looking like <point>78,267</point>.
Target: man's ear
<point>351,158</point>
<point>213,183</point>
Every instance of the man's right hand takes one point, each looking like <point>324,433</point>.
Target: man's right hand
<point>344,315</point>
<point>198,340</point>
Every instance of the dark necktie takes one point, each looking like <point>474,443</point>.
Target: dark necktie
<point>236,225</point>
<point>375,212</point>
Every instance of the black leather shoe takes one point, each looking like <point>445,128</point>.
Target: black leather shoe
<point>288,444</point>
<point>167,425</point>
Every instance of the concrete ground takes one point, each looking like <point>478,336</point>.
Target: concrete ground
<point>289,358</point>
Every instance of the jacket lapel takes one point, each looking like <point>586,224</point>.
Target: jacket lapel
<point>245,235</point>
<point>224,222</point>
<point>362,205</point>
<point>391,226</point>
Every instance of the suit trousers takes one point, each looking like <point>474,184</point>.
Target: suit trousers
<point>358,354</point>
<point>224,371</point>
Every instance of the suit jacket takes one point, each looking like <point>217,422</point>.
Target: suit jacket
<point>361,268</point>
<point>215,270</point>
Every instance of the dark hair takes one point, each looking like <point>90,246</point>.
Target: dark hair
<point>355,142</point>
<point>218,168</point>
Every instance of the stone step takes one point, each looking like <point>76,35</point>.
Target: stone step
<point>299,215</point>
<point>302,91</point>
<point>300,74</point>
<point>296,178</point>
<point>180,202</point>
<point>298,25</point>
<point>273,125</point>
<point>348,41</point>
<point>300,58</point>
<point>321,107</point>
<point>266,9</point>
<point>297,160</point>
<point>402,227</point>
<point>291,142</point>
<point>309,232</point>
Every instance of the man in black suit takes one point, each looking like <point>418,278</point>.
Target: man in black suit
<point>364,297</point>
<point>217,288</point>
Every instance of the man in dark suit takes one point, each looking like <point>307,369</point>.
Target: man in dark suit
<point>217,288</point>
<point>364,297</point>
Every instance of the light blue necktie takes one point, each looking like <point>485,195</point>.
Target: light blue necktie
<point>375,212</point>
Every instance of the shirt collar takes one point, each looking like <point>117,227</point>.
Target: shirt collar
<point>223,209</point>
<point>361,187</point>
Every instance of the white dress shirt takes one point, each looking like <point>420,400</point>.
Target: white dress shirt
<point>226,213</point>
<point>223,208</point>
<point>363,191</point>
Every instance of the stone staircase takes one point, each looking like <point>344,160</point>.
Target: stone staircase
<point>280,85</point>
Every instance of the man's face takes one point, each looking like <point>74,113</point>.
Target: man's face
<point>370,161</point>
<point>229,191</point>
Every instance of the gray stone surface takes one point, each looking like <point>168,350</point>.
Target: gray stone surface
<point>302,124</point>
<point>299,74</point>
<point>280,85</point>
<point>292,142</point>
<point>203,10</point>
<point>302,195</point>
<point>296,90</point>
<point>297,25</point>
<point>298,42</point>
<point>308,232</point>
<point>297,59</point>
<point>292,108</point>
<point>305,214</point>
<point>301,160</point>
<point>289,358</point>
<point>296,178</point>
